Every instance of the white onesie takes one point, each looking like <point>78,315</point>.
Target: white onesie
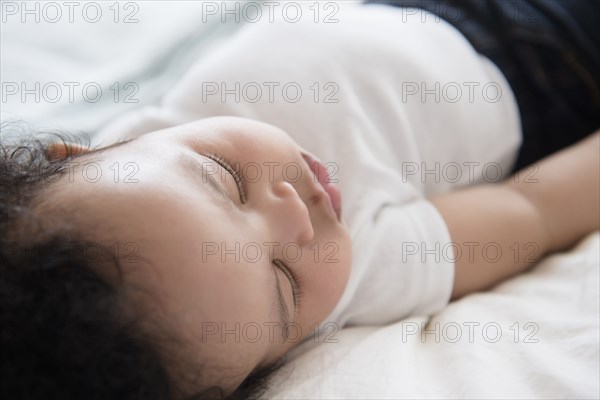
<point>398,100</point>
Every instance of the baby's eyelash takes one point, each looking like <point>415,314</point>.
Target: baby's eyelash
<point>296,283</point>
<point>234,170</point>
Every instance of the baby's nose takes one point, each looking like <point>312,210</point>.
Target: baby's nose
<point>290,215</point>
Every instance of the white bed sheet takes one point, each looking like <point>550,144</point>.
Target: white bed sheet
<point>133,61</point>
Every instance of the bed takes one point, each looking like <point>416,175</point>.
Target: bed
<point>533,336</point>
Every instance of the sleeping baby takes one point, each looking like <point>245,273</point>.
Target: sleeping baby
<point>300,178</point>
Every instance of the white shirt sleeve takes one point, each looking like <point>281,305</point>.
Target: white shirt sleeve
<point>406,267</point>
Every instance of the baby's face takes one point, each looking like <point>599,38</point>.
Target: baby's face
<point>206,251</point>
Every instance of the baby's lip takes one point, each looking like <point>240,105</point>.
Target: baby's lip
<point>324,184</point>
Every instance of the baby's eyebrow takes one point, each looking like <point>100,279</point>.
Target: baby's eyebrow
<point>97,150</point>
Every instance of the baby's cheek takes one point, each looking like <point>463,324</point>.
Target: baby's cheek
<point>339,272</point>
<point>326,279</point>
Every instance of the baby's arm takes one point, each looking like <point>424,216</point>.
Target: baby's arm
<point>524,219</point>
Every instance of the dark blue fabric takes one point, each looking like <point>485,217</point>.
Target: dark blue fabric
<point>549,51</point>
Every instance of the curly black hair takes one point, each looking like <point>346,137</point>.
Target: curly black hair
<point>63,333</point>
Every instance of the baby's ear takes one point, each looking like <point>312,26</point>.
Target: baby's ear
<point>60,151</point>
